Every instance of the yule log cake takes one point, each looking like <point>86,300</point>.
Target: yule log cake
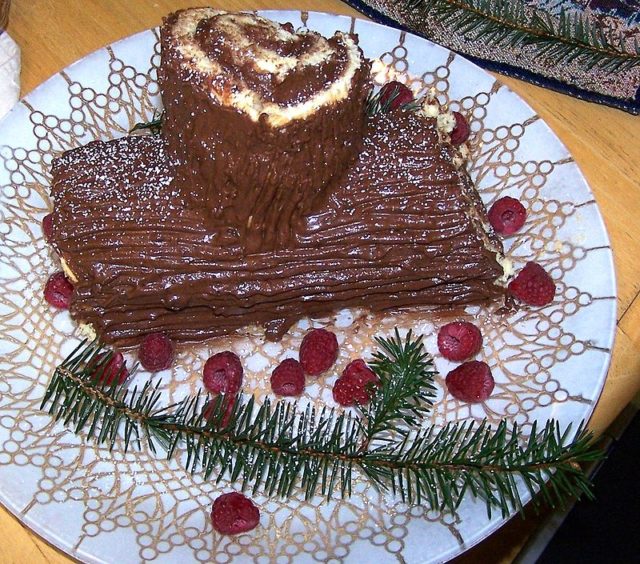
<point>148,250</point>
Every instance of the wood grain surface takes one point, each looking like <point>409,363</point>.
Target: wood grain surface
<point>604,142</point>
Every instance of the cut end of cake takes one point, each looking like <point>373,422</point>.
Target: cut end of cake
<point>262,68</point>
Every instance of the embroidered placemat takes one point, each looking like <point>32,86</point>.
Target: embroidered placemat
<point>589,49</point>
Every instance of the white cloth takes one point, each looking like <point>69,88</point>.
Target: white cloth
<point>9,73</point>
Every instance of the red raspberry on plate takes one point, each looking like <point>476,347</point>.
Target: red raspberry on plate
<point>223,373</point>
<point>354,386</point>
<point>459,340</point>
<point>233,513</point>
<point>47,226</point>
<point>507,215</point>
<point>58,291</point>
<point>394,95</point>
<point>318,351</point>
<point>287,379</point>
<point>114,368</point>
<point>461,131</point>
<point>471,382</point>
<point>533,285</point>
<point>156,352</point>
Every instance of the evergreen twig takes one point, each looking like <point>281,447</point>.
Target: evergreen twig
<point>563,39</point>
<point>377,102</point>
<point>277,446</point>
<point>154,125</point>
<point>406,394</point>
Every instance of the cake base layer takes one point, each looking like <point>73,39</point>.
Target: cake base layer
<point>403,228</point>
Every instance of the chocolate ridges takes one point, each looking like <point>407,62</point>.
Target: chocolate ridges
<point>402,228</point>
<point>261,119</point>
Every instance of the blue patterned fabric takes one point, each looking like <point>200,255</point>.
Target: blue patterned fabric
<point>618,21</point>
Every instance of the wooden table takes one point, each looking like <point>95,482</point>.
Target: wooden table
<point>604,142</point>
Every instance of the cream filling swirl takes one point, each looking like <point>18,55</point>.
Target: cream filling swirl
<point>232,25</point>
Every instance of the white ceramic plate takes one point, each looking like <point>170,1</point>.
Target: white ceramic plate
<point>100,506</point>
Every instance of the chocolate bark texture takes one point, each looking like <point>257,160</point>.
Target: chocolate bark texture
<point>401,228</point>
<point>261,120</point>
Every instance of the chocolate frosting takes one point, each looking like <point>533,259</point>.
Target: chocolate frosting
<point>403,227</point>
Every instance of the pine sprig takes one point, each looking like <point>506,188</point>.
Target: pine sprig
<point>154,125</point>
<point>406,394</point>
<point>569,37</point>
<point>278,447</point>
<point>440,467</point>
<point>272,447</point>
<point>380,102</point>
<point>104,412</point>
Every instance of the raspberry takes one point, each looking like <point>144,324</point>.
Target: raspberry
<point>47,226</point>
<point>471,382</point>
<point>533,285</point>
<point>354,386</point>
<point>234,513</point>
<point>461,131</point>
<point>58,291</point>
<point>318,351</point>
<point>229,401</point>
<point>507,215</point>
<point>287,379</point>
<point>114,368</point>
<point>459,340</point>
<point>359,370</point>
<point>156,352</point>
<point>394,95</point>
<point>222,373</point>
